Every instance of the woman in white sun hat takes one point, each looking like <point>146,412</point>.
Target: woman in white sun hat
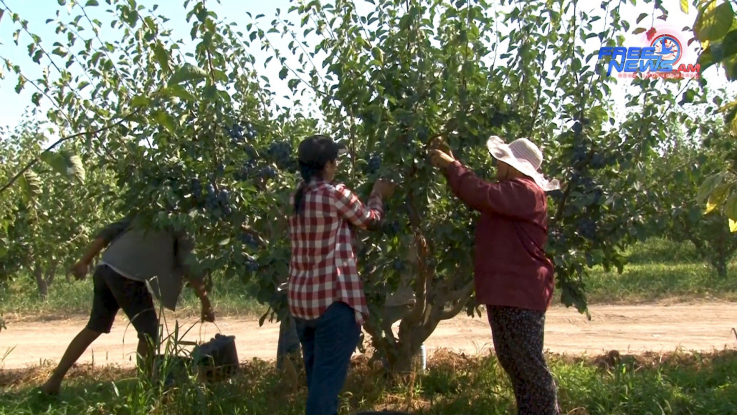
<point>513,276</point>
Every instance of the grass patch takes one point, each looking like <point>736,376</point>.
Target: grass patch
<point>20,300</point>
<point>663,251</point>
<point>654,282</point>
<point>675,383</point>
<point>657,270</point>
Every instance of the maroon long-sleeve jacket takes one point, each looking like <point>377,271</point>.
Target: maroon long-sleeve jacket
<point>510,265</point>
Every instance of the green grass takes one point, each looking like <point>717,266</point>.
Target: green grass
<point>20,300</point>
<point>661,270</point>
<point>658,250</point>
<point>654,282</point>
<point>677,383</point>
<point>657,270</point>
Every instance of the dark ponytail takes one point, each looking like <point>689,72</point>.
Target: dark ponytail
<point>307,172</point>
<point>314,153</point>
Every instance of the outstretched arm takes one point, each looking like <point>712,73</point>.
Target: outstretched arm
<point>103,239</point>
<point>510,198</point>
<point>355,212</point>
<point>183,256</point>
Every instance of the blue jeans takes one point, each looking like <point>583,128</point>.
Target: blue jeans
<point>327,346</point>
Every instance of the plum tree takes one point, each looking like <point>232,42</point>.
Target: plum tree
<point>399,75</point>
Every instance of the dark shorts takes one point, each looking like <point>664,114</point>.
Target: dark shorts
<point>113,292</point>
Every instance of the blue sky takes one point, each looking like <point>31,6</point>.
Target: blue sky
<point>37,12</point>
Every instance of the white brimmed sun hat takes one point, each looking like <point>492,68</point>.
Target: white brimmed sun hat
<point>523,155</point>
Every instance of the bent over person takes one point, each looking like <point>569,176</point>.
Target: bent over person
<point>134,258</point>
<point>513,276</point>
<point>325,292</point>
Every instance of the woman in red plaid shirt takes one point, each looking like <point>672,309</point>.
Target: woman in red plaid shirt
<point>325,292</point>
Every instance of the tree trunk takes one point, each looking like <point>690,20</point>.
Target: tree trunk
<point>720,264</point>
<point>401,354</point>
<point>43,288</point>
<point>51,274</point>
<point>289,345</point>
<point>435,300</point>
<point>397,359</point>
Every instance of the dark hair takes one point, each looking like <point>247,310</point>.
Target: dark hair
<point>307,172</point>
<point>314,153</point>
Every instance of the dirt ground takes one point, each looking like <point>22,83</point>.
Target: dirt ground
<point>631,329</point>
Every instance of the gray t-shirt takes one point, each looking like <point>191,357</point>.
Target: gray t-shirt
<point>155,256</point>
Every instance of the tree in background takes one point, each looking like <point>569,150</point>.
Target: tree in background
<point>716,29</point>
<point>54,212</point>
<point>676,178</point>
<point>405,72</point>
<point>195,142</point>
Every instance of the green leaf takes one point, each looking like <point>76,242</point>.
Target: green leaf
<point>716,198</point>
<point>59,51</point>
<point>167,121</point>
<point>36,98</point>
<point>378,54</point>
<point>2,11</point>
<point>283,73</point>
<point>730,67</point>
<point>91,3</point>
<point>75,168</point>
<point>179,92</point>
<point>708,186</point>
<point>706,59</point>
<point>729,44</point>
<point>641,17</point>
<point>31,185</point>
<point>187,72</point>
<point>688,97</point>
<point>263,318</point>
<point>140,101</point>
<point>694,215</point>
<point>65,163</point>
<point>730,207</point>
<point>730,117</point>
<point>639,30</point>
<point>162,56</point>
<point>684,6</point>
<point>713,23</point>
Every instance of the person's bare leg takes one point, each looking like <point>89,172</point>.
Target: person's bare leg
<point>78,345</point>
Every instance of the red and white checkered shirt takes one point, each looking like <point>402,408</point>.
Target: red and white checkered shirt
<point>323,268</point>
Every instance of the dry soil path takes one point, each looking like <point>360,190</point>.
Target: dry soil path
<point>633,329</point>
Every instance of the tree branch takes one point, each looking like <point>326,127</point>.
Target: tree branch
<point>32,82</point>
<point>536,112</point>
<point>103,47</point>
<point>457,295</point>
<point>24,25</point>
<point>59,141</point>
<point>423,282</point>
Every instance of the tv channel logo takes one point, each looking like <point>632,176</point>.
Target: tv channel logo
<point>662,55</point>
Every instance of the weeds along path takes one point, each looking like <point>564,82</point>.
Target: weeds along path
<point>636,328</point>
